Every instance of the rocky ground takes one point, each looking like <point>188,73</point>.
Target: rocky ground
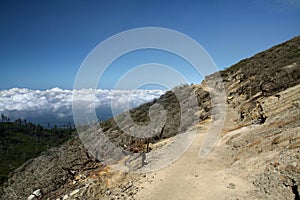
<point>256,155</point>
<point>251,161</point>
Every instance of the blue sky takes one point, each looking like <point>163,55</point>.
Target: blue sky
<point>43,43</point>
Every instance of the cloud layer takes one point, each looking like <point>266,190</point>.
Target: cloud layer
<point>57,103</point>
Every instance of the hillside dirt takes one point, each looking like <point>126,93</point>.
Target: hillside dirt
<point>243,174</point>
<point>191,177</point>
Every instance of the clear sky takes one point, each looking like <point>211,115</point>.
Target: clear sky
<point>43,43</point>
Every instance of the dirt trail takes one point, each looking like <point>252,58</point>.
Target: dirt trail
<point>191,177</point>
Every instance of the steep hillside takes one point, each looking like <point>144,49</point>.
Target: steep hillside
<point>262,75</point>
<point>176,122</point>
<point>257,156</point>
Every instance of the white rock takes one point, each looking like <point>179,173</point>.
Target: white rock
<point>108,192</point>
<point>37,193</point>
<point>31,197</point>
<point>74,192</point>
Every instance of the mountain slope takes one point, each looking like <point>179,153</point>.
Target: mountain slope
<point>255,161</point>
<point>257,156</point>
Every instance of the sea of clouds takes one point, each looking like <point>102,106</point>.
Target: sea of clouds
<point>54,106</point>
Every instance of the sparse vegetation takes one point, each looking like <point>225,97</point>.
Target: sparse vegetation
<point>264,74</point>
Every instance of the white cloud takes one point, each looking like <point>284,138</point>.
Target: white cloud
<point>59,102</point>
